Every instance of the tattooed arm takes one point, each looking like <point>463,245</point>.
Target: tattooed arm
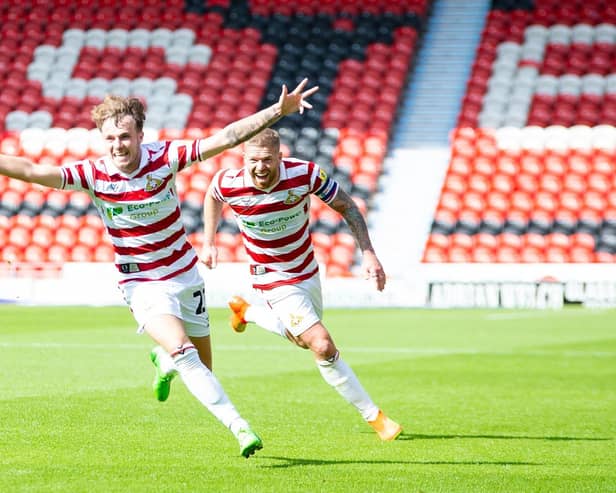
<point>242,130</point>
<point>371,266</point>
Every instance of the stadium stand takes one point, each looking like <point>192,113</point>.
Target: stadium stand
<point>198,65</point>
<point>532,174</point>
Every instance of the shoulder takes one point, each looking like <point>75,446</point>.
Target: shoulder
<point>152,149</point>
<point>156,145</point>
<point>230,174</point>
<point>292,162</point>
<point>306,171</point>
<point>296,167</point>
<point>164,146</point>
<point>229,178</point>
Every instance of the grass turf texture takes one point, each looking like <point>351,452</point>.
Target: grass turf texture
<point>490,401</point>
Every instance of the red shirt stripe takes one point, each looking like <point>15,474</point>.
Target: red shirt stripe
<point>150,228</point>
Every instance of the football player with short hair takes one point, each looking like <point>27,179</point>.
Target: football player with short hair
<point>133,189</point>
<point>270,200</point>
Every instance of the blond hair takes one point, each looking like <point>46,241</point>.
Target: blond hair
<point>265,138</point>
<point>117,107</point>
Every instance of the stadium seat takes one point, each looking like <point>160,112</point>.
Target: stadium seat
<point>556,61</point>
<point>552,66</point>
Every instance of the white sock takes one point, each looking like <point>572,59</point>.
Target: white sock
<point>165,361</point>
<point>342,378</point>
<point>265,317</point>
<point>202,383</point>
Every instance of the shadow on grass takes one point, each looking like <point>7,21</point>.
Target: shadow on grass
<point>286,462</point>
<point>418,436</point>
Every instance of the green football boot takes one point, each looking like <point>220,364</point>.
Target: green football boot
<point>162,380</point>
<point>249,442</point>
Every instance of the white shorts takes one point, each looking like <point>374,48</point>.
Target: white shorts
<point>172,297</point>
<point>299,306</point>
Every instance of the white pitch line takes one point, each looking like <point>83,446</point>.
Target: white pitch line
<point>71,345</point>
<point>419,352</point>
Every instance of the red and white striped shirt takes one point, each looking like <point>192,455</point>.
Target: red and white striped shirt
<point>275,223</point>
<point>141,211</point>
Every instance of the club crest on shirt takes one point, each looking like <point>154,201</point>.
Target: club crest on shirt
<point>296,320</point>
<point>152,183</point>
<point>292,198</point>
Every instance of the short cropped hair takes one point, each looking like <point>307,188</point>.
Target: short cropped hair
<point>266,138</point>
<point>117,107</point>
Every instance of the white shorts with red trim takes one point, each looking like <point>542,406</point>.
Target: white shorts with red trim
<point>299,306</point>
<point>182,297</point>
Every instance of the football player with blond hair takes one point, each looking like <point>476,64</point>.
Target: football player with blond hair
<point>270,200</point>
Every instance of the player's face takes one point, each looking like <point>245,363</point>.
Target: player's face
<point>262,164</point>
<point>123,142</point>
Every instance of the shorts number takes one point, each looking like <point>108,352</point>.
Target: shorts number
<point>201,306</point>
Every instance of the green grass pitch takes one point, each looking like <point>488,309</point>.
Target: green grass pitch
<point>490,401</point>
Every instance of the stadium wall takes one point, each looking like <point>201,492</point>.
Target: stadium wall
<point>528,286</point>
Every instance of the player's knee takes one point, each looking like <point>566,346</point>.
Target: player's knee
<point>323,348</point>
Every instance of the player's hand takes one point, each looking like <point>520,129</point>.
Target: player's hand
<point>209,256</point>
<point>293,101</point>
<point>373,270</point>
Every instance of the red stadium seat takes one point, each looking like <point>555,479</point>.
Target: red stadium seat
<point>89,236</point>
<point>43,236</point>
<point>81,253</point>
<point>11,253</point>
<point>507,254</point>
<point>434,254</point>
<point>65,236</point>
<point>531,254</point>
<point>459,255</point>
<point>19,236</point>
<point>58,253</point>
<point>556,255</point>
<point>574,182</point>
<point>461,241</point>
<point>455,184</point>
<point>485,240</point>
<point>482,254</point>
<point>103,253</point>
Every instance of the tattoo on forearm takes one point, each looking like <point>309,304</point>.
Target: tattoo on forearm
<point>244,129</point>
<point>358,227</point>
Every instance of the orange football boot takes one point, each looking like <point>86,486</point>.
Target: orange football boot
<point>387,429</point>
<point>238,307</point>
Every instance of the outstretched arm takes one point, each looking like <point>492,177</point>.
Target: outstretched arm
<point>25,170</point>
<point>212,211</point>
<point>371,266</point>
<point>241,130</point>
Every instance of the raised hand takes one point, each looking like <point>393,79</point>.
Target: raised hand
<point>293,101</point>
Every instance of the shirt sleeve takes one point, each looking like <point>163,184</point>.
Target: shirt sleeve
<point>323,186</point>
<point>216,186</point>
<point>77,176</point>
<point>182,154</point>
